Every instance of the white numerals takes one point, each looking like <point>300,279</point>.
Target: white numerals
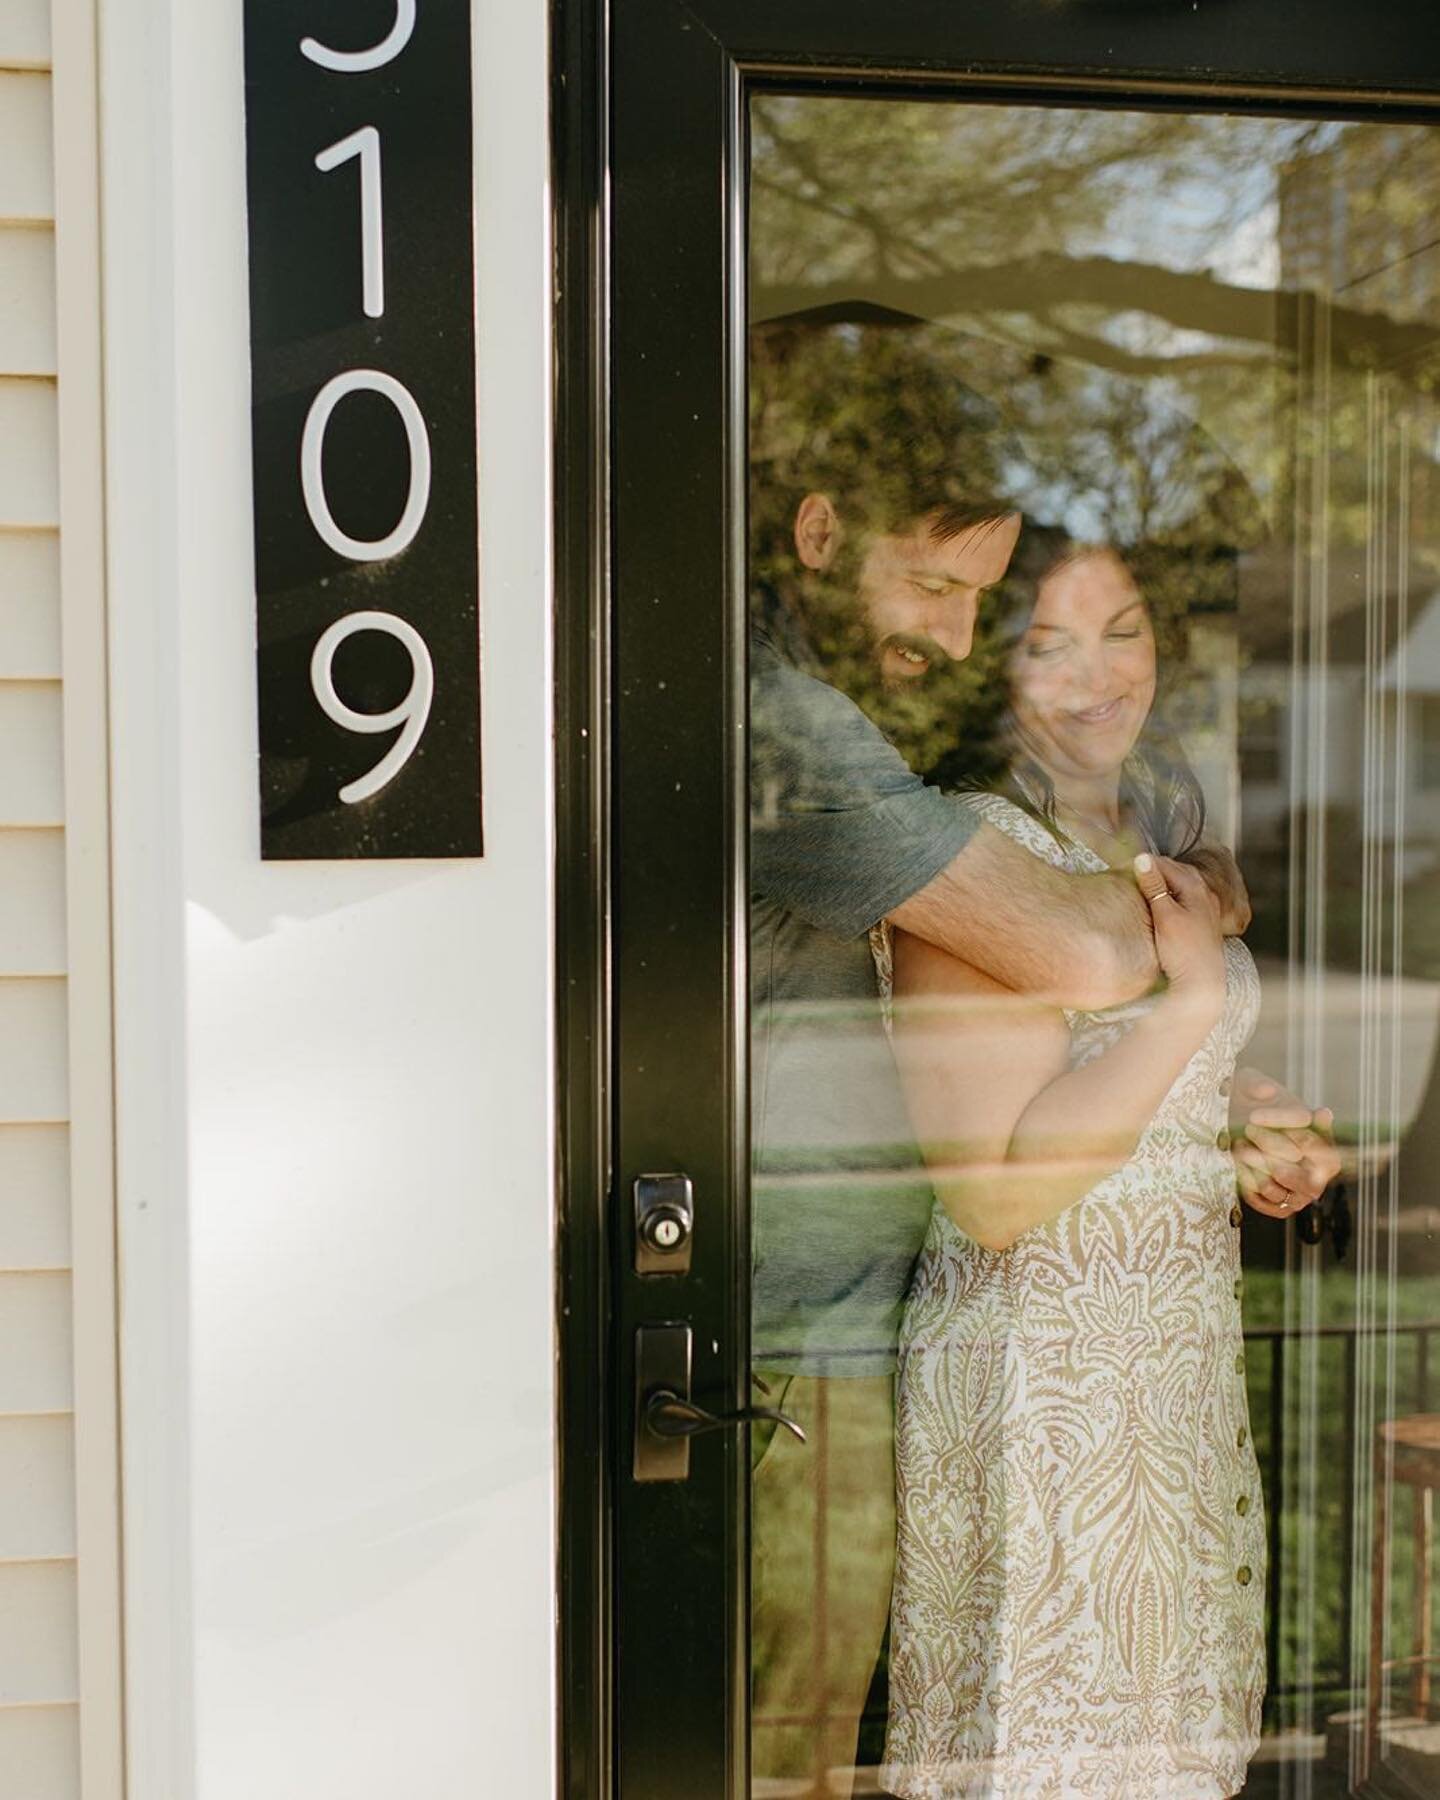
<point>356,62</point>
<point>365,143</point>
<point>412,712</point>
<point>312,470</point>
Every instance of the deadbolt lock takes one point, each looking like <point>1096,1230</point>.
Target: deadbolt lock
<point>664,1224</point>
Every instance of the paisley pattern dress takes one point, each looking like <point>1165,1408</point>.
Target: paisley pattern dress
<point>1080,1569</point>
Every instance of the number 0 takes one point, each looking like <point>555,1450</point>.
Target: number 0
<point>413,711</point>
<point>312,471</point>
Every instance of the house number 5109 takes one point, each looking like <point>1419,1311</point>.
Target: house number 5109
<point>363,147</point>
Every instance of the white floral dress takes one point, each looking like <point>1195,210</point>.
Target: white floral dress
<point>1080,1559</point>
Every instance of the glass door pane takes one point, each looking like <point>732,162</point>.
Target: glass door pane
<point>1094,512</point>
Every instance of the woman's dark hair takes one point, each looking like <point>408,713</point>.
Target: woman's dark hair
<point>1157,783</point>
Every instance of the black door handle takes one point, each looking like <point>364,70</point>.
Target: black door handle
<point>668,1415</point>
<point>665,1417</point>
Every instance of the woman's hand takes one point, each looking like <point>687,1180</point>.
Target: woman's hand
<point>1284,1150</point>
<point>1189,942</point>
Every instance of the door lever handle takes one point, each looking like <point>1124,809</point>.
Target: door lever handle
<point>665,1417</point>
<point>668,1415</point>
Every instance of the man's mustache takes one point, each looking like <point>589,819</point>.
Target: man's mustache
<point>917,646</point>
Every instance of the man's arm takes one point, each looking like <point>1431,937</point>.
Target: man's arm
<point>1077,940</point>
<point>1083,941</point>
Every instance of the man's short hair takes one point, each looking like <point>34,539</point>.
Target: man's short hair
<point>875,417</point>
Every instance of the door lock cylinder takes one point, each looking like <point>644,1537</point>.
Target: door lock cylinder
<point>664,1224</point>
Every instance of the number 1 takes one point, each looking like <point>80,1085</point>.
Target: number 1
<point>365,143</point>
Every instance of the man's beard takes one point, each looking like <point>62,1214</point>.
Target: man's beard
<point>928,717</point>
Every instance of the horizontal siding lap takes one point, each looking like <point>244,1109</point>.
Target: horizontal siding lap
<point>33,1052</point>
<point>29,451</point>
<point>27,161</point>
<point>25,42</point>
<point>32,903</point>
<point>40,1753</point>
<point>35,1181</point>
<point>37,1488</point>
<point>35,1353</point>
<point>38,1659</point>
<point>27,300</point>
<point>32,766</point>
<point>30,617</point>
<point>39,1652</point>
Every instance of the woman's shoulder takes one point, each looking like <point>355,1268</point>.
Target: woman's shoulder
<point>1031,833</point>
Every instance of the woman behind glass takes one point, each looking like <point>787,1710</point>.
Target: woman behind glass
<point>1081,1543</point>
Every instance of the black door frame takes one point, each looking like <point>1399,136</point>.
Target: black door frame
<point>649,142</point>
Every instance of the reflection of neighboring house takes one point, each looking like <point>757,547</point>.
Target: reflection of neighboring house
<point>1357,220</point>
<point>1409,675</point>
<point>1413,671</point>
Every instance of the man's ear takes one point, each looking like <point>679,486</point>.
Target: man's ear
<point>817,531</point>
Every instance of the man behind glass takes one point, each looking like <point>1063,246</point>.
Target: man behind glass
<point>876,531</point>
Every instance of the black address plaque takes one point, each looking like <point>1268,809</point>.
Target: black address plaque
<point>358,122</point>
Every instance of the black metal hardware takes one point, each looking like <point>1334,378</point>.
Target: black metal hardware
<point>666,1418</point>
<point>1331,1212</point>
<point>664,1224</point>
<point>663,1356</point>
<point>670,1416</point>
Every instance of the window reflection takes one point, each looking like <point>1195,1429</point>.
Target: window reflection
<point>1094,478</point>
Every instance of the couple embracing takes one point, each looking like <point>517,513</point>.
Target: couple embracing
<point>999,1141</point>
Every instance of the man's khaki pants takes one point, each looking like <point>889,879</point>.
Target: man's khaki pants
<point>822,1561</point>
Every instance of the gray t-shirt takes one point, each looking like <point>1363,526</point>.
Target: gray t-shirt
<point>842,832</point>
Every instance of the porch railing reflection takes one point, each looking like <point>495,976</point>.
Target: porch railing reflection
<point>1332,1675</point>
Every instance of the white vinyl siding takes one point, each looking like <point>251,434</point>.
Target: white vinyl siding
<point>39,1650</point>
<point>37,1632</point>
<point>29,488</point>
<point>37,1487</point>
<point>25,34</point>
<point>40,1752</point>
<point>27,160</point>
<point>27,300</point>
<point>32,760</point>
<point>30,617</point>
<point>35,1180</point>
<point>32,902</point>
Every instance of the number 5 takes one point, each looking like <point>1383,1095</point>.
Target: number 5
<point>413,711</point>
<point>356,62</point>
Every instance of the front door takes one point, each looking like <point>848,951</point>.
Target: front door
<point>1014,445</point>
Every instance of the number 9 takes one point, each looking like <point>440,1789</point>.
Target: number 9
<point>413,711</point>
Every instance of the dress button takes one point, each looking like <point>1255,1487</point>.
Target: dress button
<point>1242,1505</point>
<point>1225,1088</point>
<point>1240,1362</point>
<point>1240,1437</point>
<point>1236,1215</point>
<point>1242,1574</point>
<point>1222,1138</point>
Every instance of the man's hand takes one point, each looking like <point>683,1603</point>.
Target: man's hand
<point>1221,874</point>
<point>1284,1151</point>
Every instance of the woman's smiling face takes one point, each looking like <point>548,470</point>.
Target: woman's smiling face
<point>1083,675</point>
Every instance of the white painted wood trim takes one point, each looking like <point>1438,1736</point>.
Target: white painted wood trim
<point>137,200</point>
<point>88,910</point>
